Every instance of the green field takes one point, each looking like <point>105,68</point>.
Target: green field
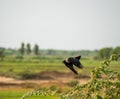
<point>17,94</point>
<point>12,67</point>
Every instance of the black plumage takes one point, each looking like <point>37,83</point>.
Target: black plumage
<point>73,61</point>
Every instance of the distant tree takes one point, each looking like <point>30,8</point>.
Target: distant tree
<point>105,52</point>
<point>2,55</point>
<point>28,48</point>
<point>116,50</point>
<point>22,49</point>
<point>36,49</point>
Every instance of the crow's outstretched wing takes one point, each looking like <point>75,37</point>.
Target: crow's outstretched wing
<point>78,57</point>
<point>71,68</point>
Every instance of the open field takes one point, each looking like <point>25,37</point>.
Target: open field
<point>13,67</point>
<point>20,69</point>
<point>20,76</point>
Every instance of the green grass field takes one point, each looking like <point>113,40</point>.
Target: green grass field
<point>18,93</point>
<point>13,68</point>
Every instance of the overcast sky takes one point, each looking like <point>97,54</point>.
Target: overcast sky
<point>60,24</point>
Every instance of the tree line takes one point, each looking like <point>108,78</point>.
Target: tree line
<point>105,53</point>
<point>28,50</point>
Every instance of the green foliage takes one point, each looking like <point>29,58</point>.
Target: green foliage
<point>42,92</point>
<point>116,50</point>
<point>105,53</point>
<point>2,54</point>
<point>22,49</point>
<point>36,49</point>
<point>28,48</point>
<point>104,84</point>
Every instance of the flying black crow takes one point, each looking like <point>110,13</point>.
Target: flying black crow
<point>73,61</point>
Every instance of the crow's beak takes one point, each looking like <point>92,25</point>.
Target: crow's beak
<point>63,61</point>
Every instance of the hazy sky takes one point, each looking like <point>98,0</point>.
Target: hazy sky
<point>60,24</point>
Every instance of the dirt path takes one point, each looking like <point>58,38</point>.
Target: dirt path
<point>60,81</point>
<point>54,78</point>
